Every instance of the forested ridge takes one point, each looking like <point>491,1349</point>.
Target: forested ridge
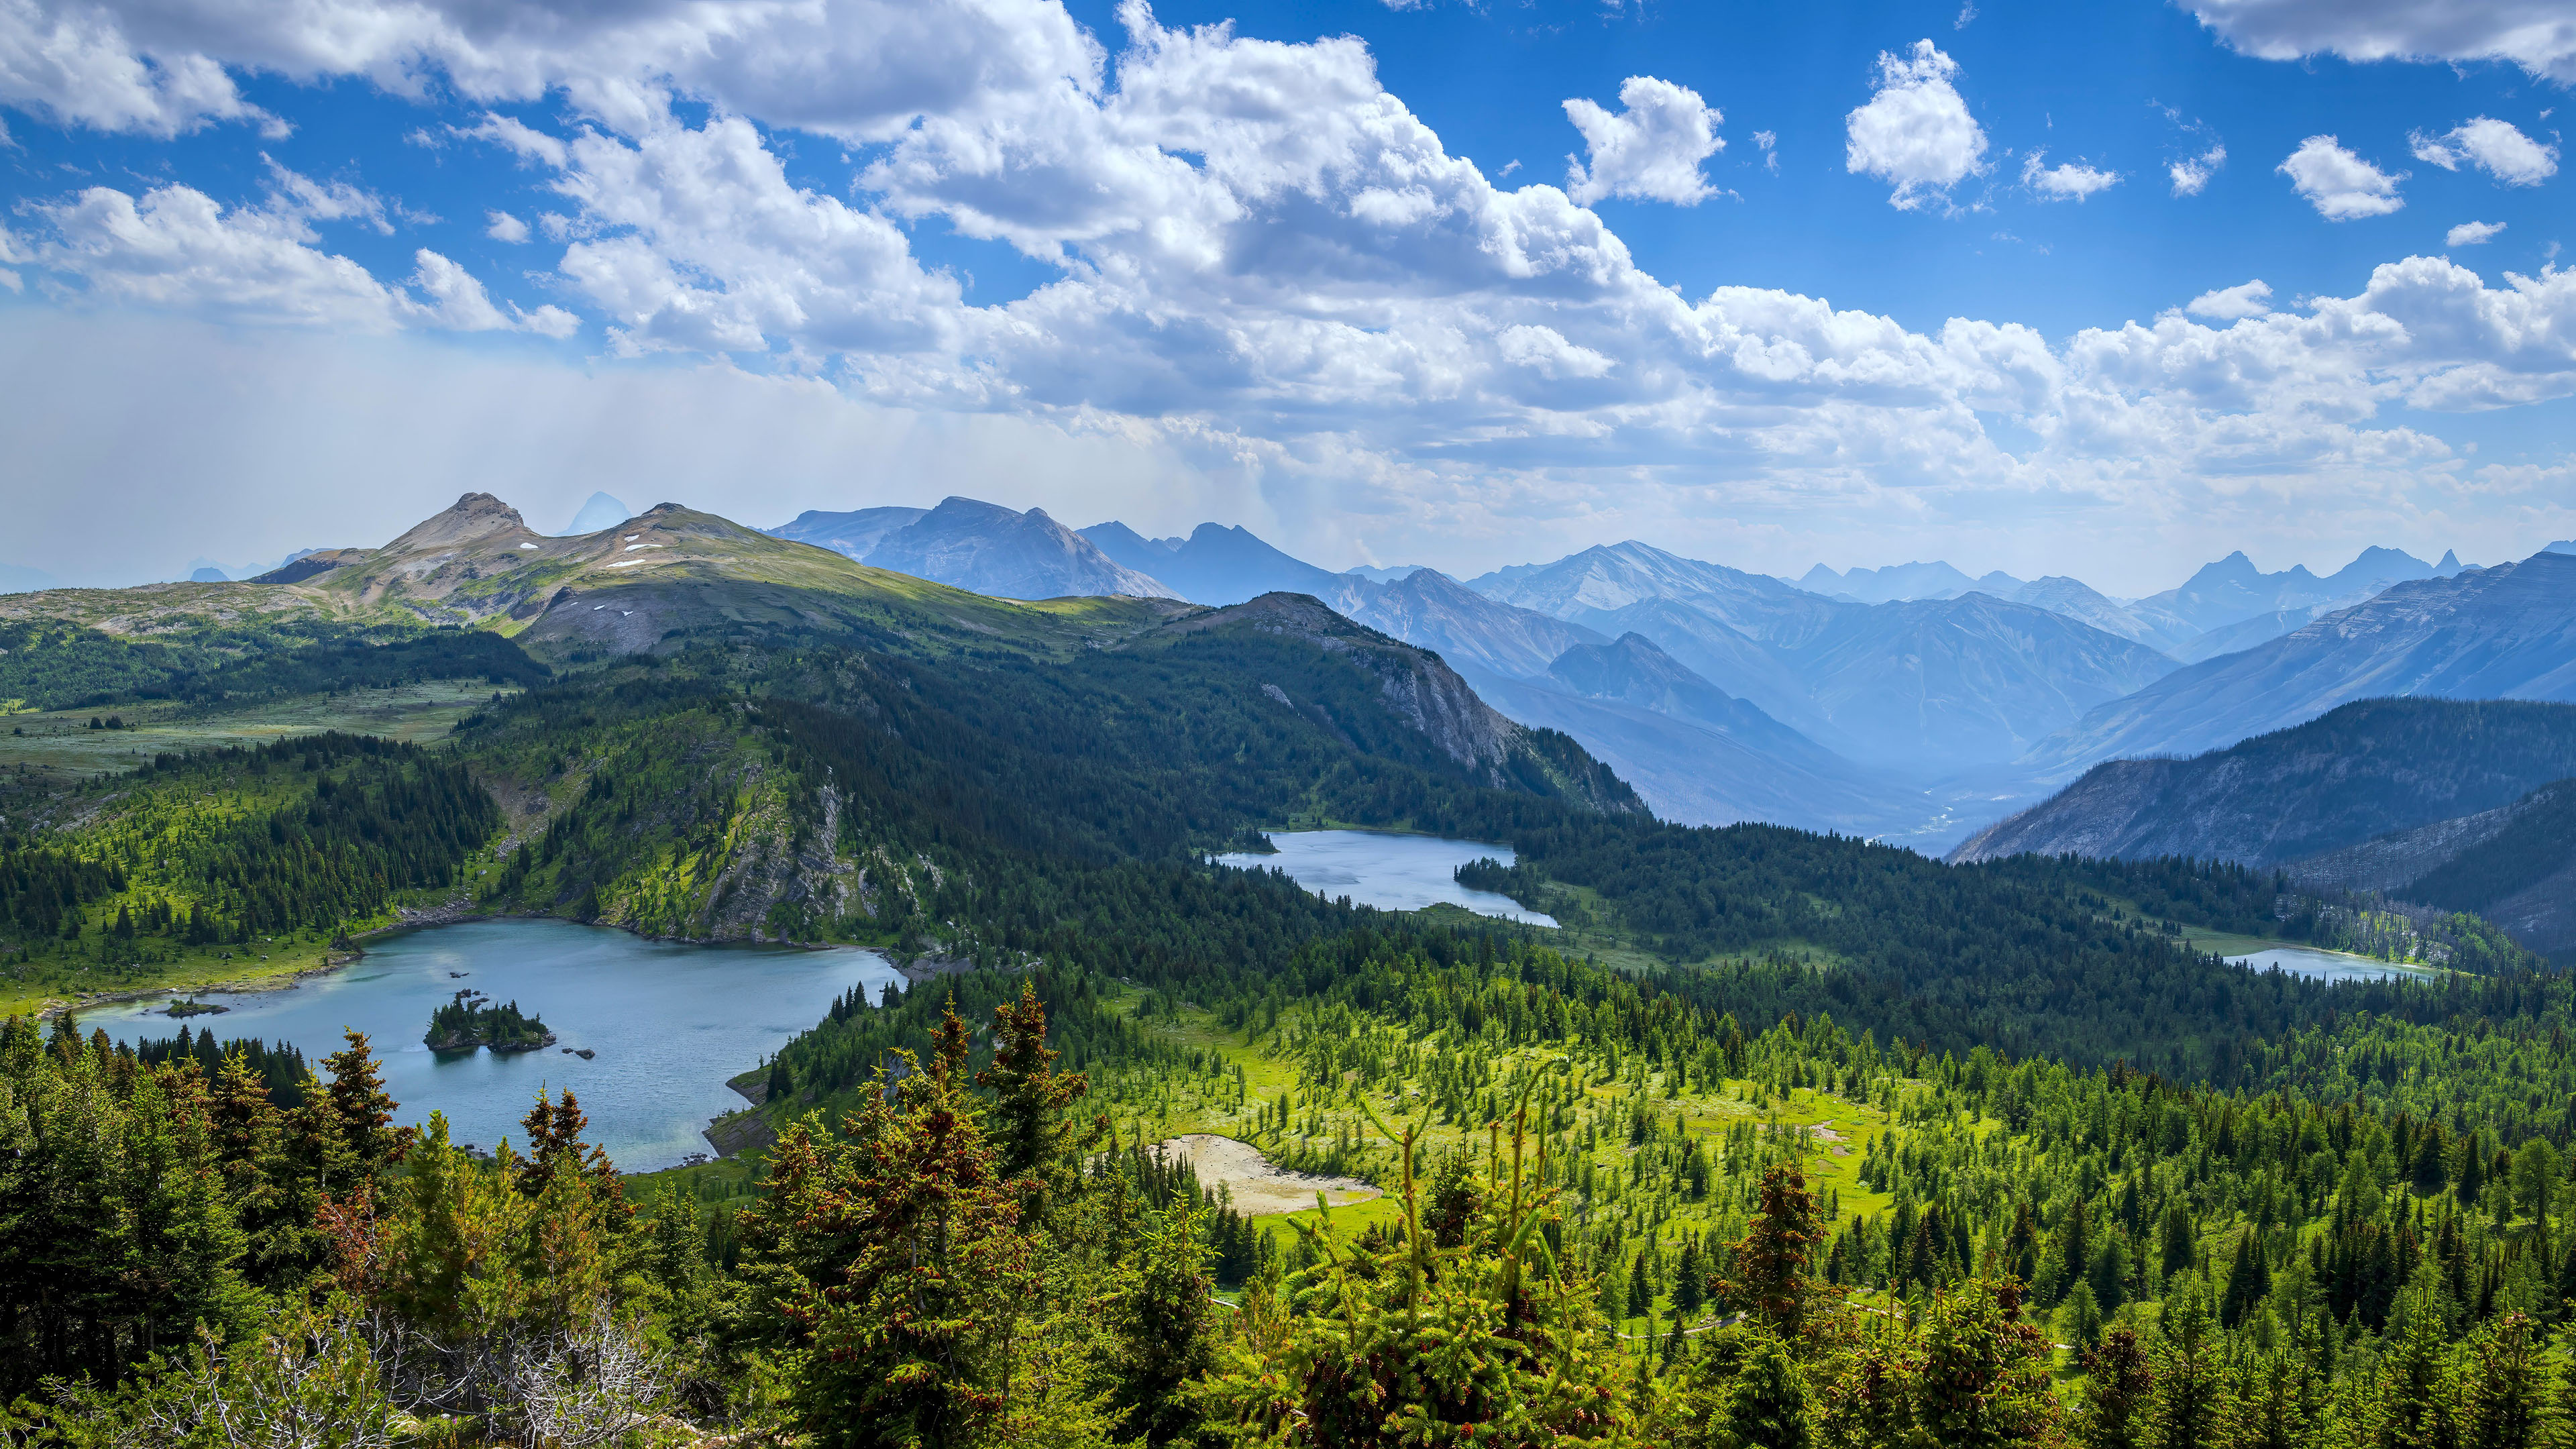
<point>48,664</point>
<point>217,849</point>
<point>1868,1151</point>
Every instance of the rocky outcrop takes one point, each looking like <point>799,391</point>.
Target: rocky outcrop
<point>776,882</point>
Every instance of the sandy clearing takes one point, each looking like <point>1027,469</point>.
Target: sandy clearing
<point>1259,1188</point>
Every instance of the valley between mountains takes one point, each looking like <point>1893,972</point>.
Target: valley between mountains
<point>1785,1120</point>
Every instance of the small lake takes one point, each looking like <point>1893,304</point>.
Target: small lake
<point>669,1023</point>
<point>2325,965</point>
<point>1391,872</point>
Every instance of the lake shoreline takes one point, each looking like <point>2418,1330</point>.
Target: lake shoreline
<point>1391,870</point>
<point>417,918</point>
<point>647,1031</point>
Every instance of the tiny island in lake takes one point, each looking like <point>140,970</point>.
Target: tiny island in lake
<point>471,1020</point>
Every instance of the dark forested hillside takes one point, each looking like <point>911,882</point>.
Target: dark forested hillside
<point>2363,770</point>
<point>214,847</point>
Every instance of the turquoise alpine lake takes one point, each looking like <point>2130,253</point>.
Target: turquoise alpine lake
<point>2326,965</point>
<point>667,1024</point>
<point>1390,871</point>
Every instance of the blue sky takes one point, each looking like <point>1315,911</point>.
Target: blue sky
<point>298,279</point>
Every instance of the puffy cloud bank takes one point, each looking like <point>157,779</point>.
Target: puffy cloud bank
<point>2533,34</point>
<point>1260,256</point>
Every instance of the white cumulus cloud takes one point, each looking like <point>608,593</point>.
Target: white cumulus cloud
<point>2227,304</point>
<point>1650,150</point>
<point>176,248</point>
<point>2339,183</point>
<point>1915,131</point>
<point>2192,173</point>
<point>2534,34</point>
<point>1261,263</point>
<point>2496,147</point>
<point>504,227</point>
<point>2472,233</point>
<point>2067,181</point>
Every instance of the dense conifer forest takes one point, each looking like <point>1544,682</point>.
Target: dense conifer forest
<point>1847,1148</point>
<point>47,664</point>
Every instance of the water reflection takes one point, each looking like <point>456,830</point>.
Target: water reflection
<point>668,1023</point>
<point>2325,965</point>
<point>1392,872</point>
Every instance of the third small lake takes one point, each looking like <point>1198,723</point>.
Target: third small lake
<point>1390,871</point>
<point>2325,965</point>
<point>668,1023</point>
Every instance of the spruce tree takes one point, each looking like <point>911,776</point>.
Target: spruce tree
<point>364,1110</point>
<point>2412,1399</point>
<point>1030,1134</point>
<point>2249,1279</point>
<point>2191,1400</point>
<point>1766,1404</point>
<point>2504,1393</point>
<point>2117,1380</point>
<point>1768,1265</point>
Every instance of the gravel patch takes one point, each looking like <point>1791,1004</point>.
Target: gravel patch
<point>1259,1188</point>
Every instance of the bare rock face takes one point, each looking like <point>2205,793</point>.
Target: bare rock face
<point>775,869</point>
<point>474,516</point>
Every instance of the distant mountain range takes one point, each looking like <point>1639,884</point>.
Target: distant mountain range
<point>2462,805</point>
<point>1899,582</point>
<point>1921,687</point>
<point>2224,607</point>
<point>1214,565</point>
<point>2359,771</point>
<point>1872,686</point>
<point>981,547</point>
<point>2507,632</point>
